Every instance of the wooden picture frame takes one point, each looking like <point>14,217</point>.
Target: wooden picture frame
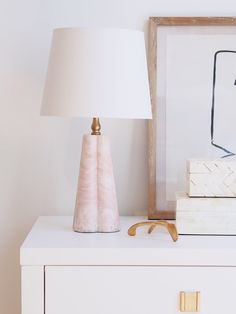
<point>212,25</point>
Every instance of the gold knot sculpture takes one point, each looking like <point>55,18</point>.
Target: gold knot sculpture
<point>171,228</point>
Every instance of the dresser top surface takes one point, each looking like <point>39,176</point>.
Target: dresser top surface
<point>52,241</point>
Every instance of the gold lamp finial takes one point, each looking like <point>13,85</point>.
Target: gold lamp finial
<point>96,127</point>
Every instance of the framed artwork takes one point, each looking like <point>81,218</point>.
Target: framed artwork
<point>192,69</point>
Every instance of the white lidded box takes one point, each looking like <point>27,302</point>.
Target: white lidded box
<point>205,215</point>
<point>211,178</point>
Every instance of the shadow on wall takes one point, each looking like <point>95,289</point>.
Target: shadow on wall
<point>10,268</point>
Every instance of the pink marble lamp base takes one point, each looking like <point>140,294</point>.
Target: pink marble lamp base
<point>96,207</point>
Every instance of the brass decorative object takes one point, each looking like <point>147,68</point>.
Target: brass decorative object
<point>96,127</point>
<point>153,224</point>
<point>190,301</point>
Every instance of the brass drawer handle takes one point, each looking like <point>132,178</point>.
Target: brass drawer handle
<point>153,224</point>
<point>189,301</point>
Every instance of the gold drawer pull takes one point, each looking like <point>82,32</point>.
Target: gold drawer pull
<point>153,224</point>
<point>190,301</point>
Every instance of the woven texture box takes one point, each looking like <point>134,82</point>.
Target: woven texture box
<point>211,178</point>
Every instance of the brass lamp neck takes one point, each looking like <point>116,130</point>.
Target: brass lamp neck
<point>96,127</point>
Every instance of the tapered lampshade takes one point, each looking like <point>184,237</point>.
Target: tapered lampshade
<point>97,73</point>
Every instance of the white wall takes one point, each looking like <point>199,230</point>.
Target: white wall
<point>40,156</point>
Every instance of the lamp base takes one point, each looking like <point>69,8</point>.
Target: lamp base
<point>96,207</point>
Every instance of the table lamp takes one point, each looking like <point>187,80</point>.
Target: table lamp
<point>97,73</point>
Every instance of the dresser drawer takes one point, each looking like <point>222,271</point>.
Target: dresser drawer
<point>137,289</point>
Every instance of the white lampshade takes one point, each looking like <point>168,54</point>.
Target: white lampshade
<point>97,73</point>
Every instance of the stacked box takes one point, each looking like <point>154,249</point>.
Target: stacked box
<point>211,178</point>
<point>205,215</point>
<point>209,205</point>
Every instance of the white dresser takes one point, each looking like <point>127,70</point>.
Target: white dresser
<point>64,272</point>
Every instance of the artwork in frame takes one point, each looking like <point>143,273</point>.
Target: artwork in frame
<point>192,72</point>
